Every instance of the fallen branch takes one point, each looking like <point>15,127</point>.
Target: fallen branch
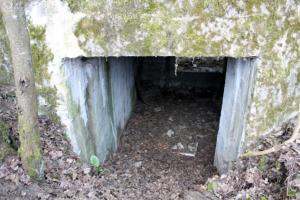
<point>275,148</point>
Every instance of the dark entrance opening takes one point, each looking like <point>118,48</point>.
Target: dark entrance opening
<point>171,134</point>
<point>169,138</point>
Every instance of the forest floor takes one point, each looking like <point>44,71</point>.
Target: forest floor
<point>166,150</point>
<point>150,163</point>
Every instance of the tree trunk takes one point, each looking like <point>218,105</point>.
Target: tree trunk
<point>16,28</point>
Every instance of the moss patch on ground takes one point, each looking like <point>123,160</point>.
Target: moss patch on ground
<point>5,149</point>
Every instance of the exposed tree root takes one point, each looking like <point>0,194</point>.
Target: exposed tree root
<point>275,148</point>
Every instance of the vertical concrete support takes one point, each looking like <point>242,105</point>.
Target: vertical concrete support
<point>236,99</point>
<point>122,90</point>
<point>99,102</point>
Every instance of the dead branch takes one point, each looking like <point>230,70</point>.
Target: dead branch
<point>275,148</point>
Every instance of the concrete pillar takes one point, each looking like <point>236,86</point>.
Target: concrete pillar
<point>99,102</point>
<point>236,99</point>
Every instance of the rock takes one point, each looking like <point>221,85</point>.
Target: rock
<point>157,109</point>
<point>193,147</point>
<point>138,164</point>
<point>170,133</point>
<point>182,126</point>
<point>91,195</point>
<point>178,146</point>
<point>195,195</point>
<point>69,193</point>
<point>23,193</point>
<point>87,170</point>
<point>56,154</point>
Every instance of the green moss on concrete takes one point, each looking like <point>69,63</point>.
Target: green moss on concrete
<point>79,129</point>
<point>76,5</point>
<point>150,28</point>
<point>92,28</point>
<point>255,33</point>
<point>41,57</point>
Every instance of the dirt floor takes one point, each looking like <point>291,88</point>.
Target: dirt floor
<point>154,160</point>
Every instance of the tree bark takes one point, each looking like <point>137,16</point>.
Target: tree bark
<point>16,28</point>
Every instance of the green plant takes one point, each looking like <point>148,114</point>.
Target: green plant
<point>95,162</point>
<point>291,193</point>
<point>4,133</point>
<point>263,197</point>
<point>212,186</point>
<point>262,164</point>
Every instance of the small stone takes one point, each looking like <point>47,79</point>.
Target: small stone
<point>91,194</point>
<point>69,160</point>
<point>182,126</point>
<point>157,109</point>
<point>195,195</point>
<point>193,147</point>
<point>179,146</point>
<point>170,133</point>
<point>138,164</point>
<point>171,119</point>
<point>56,154</point>
<point>69,193</point>
<point>87,170</point>
<point>23,193</point>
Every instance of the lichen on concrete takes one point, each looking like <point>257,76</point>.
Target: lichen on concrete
<point>269,30</point>
<point>98,103</point>
<point>41,57</point>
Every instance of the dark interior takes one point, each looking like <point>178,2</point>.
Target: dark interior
<point>172,131</point>
<point>200,78</point>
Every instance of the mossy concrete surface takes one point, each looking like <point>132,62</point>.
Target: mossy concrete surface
<point>99,102</point>
<point>269,30</point>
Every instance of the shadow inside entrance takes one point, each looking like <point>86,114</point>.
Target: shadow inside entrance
<point>167,147</point>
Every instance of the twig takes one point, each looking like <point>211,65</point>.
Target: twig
<point>275,148</point>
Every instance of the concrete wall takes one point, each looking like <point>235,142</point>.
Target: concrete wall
<point>122,89</point>
<point>240,76</point>
<point>100,96</point>
<point>186,28</point>
<point>160,71</point>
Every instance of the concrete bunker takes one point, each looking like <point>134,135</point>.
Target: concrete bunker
<point>106,92</point>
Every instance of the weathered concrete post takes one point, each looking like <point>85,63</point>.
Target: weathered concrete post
<point>238,89</point>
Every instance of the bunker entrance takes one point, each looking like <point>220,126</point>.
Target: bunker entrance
<point>173,115</point>
<point>173,128</point>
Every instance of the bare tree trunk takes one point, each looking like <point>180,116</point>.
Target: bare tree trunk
<point>16,28</point>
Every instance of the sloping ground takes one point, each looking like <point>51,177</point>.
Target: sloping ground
<point>146,169</point>
<point>146,166</point>
<point>273,176</point>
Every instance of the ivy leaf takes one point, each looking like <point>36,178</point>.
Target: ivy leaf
<point>94,160</point>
